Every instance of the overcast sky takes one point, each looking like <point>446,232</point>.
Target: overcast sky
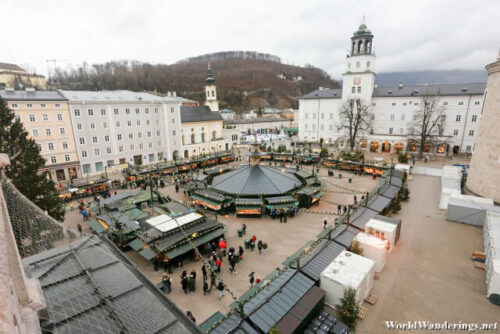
<point>409,35</point>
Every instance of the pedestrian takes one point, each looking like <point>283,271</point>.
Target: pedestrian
<point>167,283</point>
<point>184,274</point>
<point>232,263</point>
<point>252,245</point>
<point>190,316</point>
<point>281,216</point>
<point>193,274</point>
<point>264,247</point>
<point>191,283</point>
<point>184,284</point>
<point>205,287</point>
<point>84,214</point>
<point>345,209</point>
<point>252,278</point>
<point>212,281</point>
<point>325,222</point>
<point>204,271</point>
<point>79,227</point>
<point>339,209</point>
<point>219,264</point>
<point>355,199</point>
<point>220,287</point>
<point>240,252</point>
<point>155,263</point>
<point>259,247</point>
<point>244,228</point>
<point>285,217</point>
<point>165,264</point>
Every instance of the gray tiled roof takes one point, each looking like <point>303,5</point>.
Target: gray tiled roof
<point>389,191</point>
<point>319,258</point>
<point>439,89</point>
<point>37,95</point>
<point>379,203</point>
<point>362,216</point>
<point>91,287</point>
<point>255,180</point>
<point>198,114</point>
<point>345,238</point>
<point>234,325</point>
<point>272,303</point>
<point>324,94</point>
<point>109,96</point>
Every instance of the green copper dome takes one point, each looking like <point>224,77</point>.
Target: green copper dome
<point>209,79</point>
<point>362,30</point>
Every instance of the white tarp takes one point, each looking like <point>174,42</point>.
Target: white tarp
<point>492,251</point>
<point>158,220</point>
<point>446,193</point>
<point>348,270</point>
<point>179,221</point>
<point>382,230</point>
<point>403,167</point>
<point>374,249</point>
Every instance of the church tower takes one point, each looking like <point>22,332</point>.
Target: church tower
<point>211,92</point>
<point>359,78</point>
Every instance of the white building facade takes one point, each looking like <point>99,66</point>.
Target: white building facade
<point>392,108</point>
<point>123,127</point>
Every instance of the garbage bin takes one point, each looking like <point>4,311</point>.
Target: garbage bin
<point>350,180</point>
<point>340,176</point>
<point>236,258</point>
<point>247,243</point>
<point>240,232</point>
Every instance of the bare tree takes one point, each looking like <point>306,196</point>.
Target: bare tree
<point>427,123</point>
<point>355,118</point>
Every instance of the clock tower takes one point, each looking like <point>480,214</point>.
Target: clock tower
<point>211,91</point>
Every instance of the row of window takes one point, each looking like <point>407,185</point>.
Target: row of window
<point>97,151</point>
<point>30,105</point>
<point>45,117</point>
<point>48,132</point>
<point>79,126</point>
<point>99,166</point>
<point>51,146</point>
<point>119,136</point>
<point>445,103</point>
<point>116,111</point>
<point>53,158</point>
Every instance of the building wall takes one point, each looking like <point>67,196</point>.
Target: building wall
<point>8,79</point>
<point>260,127</point>
<point>57,146</point>
<point>319,118</point>
<point>138,138</point>
<point>212,141</point>
<point>484,171</point>
<point>211,97</point>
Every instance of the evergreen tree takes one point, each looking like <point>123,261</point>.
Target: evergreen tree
<point>348,308</point>
<point>25,162</point>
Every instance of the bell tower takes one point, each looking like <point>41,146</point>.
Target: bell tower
<point>211,91</point>
<point>359,77</point>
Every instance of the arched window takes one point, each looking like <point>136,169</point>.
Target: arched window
<point>360,46</point>
<point>353,49</point>
<point>208,93</point>
<point>186,154</point>
<point>213,93</point>
<point>368,47</point>
<point>192,138</point>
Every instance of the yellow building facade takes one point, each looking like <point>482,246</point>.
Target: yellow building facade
<point>11,76</point>
<point>46,117</point>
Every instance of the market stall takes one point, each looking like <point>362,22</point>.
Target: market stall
<point>212,200</point>
<point>275,204</point>
<point>248,206</point>
<point>309,196</point>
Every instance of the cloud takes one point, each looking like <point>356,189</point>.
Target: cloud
<point>441,34</point>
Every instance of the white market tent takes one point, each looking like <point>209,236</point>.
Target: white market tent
<point>374,249</point>
<point>491,233</point>
<point>403,167</point>
<point>172,224</point>
<point>382,230</point>
<point>451,179</point>
<point>155,221</point>
<point>348,270</point>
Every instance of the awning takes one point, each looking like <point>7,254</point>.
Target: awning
<point>136,245</point>
<point>205,200</point>
<point>148,253</point>
<point>317,195</point>
<point>171,254</point>
<point>282,206</point>
<point>96,227</point>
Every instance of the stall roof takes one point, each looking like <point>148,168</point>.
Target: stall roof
<point>177,251</point>
<point>171,239</point>
<point>345,238</point>
<point>172,224</point>
<point>304,174</point>
<point>361,217</point>
<point>234,325</point>
<point>396,181</point>
<point>389,191</point>
<point>379,203</point>
<point>248,201</point>
<point>309,191</point>
<point>271,304</point>
<point>158,220</point>
<point>319,258</point>
<point>118,197</point>
<point>87,280</point>
<point>213,195</point>
<point>256,180</point>
<point>175,208</point>
<point>280,199</point>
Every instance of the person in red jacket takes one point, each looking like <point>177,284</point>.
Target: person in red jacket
<point>219,263</point>
<point>223,246</point>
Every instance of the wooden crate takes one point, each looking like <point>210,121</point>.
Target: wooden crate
<point>362,312</point>
<point>479,265</point>
<point>371,299</point>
